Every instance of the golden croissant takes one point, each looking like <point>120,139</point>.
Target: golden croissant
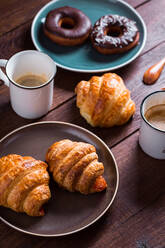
<point>75,166</point>
<point>104,101</point>
<point>24,184</point>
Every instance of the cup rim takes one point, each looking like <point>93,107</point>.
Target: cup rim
<point>142,114</point>
<point>36,87</point>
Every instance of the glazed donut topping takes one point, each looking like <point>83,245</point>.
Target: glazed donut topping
<point>114,31</point>
<point>67,26</point>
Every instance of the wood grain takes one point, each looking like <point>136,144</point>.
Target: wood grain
<point>136,217</point>
<point>68,112</point>
<point>14,14</point>
<point>20,38</point>
<point>136,3</point>
<point>152,15</point>
<point>65,81</point>
<point>132,76</point>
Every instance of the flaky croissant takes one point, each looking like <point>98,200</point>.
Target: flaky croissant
<point>75,166</point>
<point>104,101</point>
<point>24,184</point>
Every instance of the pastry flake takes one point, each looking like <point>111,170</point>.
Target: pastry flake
<point>104,101</point>
<point>24,184</point>
<point>75,166</point>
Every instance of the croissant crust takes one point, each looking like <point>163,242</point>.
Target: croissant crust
<point>104,101</point>
<point>75,166</point>
<point>24,184</point>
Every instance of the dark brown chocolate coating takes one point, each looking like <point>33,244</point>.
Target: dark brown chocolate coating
<point>128,29</point>
<point>82,22</point>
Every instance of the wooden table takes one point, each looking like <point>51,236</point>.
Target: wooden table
<point>137,217</point>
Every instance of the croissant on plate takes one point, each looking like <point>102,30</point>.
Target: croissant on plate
<point>75,166</point>
<point>24,184</point>
<point>104,101</point>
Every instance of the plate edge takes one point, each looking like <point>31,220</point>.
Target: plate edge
<point>102,70</point>
<point>105,210</point>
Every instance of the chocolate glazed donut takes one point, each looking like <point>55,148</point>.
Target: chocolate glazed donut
<point>67,26</point>
<point>114,34</point>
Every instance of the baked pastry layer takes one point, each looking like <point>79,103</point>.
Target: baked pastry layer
<point>75,166</point>
<point>24,184</point>
<point>104,101</point>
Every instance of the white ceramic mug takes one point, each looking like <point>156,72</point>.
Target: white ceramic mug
<point>29,102</point>
<point>152,139</point>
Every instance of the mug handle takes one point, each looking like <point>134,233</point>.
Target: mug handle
<point>3,77</point>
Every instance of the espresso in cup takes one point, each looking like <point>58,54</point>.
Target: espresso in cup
<point>152,129</point>
<point>31,80</point>
<point>156,116</point>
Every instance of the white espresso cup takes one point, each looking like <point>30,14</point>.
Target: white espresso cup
<point>152,139</point>
<point>29,102</point>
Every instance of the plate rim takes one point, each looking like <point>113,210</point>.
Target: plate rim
<point>97,70</point>
<point>102,213</point>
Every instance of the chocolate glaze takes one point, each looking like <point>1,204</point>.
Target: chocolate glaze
<point>82,22</point>
<point>128,29</point>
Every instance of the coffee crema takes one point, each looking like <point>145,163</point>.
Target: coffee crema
<point>31,80</point>
<point>156,116</point>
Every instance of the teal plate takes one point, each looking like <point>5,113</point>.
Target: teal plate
<point>85,58</point>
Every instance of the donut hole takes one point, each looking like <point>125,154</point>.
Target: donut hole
<point>114,31</point>
<point>67,23</point>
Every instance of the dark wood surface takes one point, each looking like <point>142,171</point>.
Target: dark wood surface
<point>137,217</point>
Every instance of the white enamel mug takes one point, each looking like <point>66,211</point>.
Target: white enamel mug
<point>29,102</point>
<point>152,139</point>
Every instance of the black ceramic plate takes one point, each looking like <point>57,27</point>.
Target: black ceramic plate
<point>66,212</point>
